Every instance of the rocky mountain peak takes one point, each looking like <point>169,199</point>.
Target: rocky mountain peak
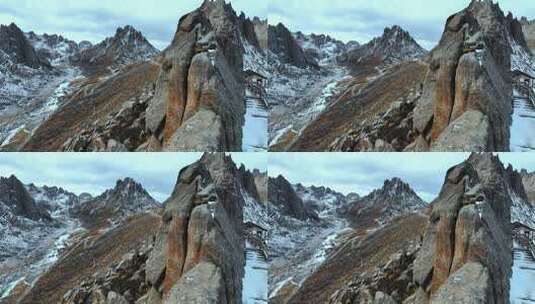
<point>282,194</point>
<point>15,197</point>
<point>394,187</point>
<point>16,46</point>
<point>393,199</point>
<point>128,45</point>
<point>394,45</point>
<point>283,44</point>
<point>396,42</point>
<point>127,198</point>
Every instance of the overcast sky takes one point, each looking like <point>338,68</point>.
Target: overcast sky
<point>362,20</point>
<point>94,173</point>
<point>95,20</point>
<point>364,172</point>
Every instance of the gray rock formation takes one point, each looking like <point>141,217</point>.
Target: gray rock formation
<point>14,43</point>
<point>282,195</point>
<point>283,44</point>
<point>15,197</point>
<point>198,104</point>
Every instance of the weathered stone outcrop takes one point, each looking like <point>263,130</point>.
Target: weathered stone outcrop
<point>121,284</point>
<point>198,253</point>
<point>466,251</point>
<point>198,104</point>
<point>465,104</point>
<point>282,194</point>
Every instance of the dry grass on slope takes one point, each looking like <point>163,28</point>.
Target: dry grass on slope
<point>362,252</point>
<point>362,99</point>
<point>96,98</point>
<point>94,251</point>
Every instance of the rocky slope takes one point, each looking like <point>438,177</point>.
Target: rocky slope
<point>32,95</point>
<point>311,114</point>
<point>301,247</point>
<point>23,70</point>
<point>189,98</point>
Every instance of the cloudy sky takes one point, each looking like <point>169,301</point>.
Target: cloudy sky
<point>94,173</point>
<point>95,20</point>
<point>364,172</point>
<point>362,20</point>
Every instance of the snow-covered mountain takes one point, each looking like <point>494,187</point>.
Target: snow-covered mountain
<point>396,44</point>
<point>23,70</point>
<point>395,198</point>
<point>128,45</point>
<point>55,48</point>
<point>55,200</point>
<point>321,199</point>
<point>38,222</point>
<point>323,48</point>
<point>127,198</point>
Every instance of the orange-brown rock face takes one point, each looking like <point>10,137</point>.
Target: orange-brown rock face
<point>201,237</point>
<point>201,70</point>
<point>465,254</point>
<point>468,85</point>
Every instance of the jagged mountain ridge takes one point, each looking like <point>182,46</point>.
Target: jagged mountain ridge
<point>302,246</point>
<point>16,46</point>
<point>395,44</point>
<point>395,198</point>
<point>128,197</point>
<point>323,48</point>
<point>55,48</point>
<point>128,45</point>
